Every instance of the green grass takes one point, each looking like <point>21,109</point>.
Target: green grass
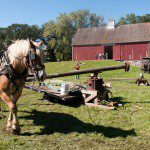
<point>48,125</point>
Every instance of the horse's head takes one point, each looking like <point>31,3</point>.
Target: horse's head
<point>36,59</point>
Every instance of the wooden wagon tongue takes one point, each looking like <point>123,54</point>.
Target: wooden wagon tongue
<point>126,66</point>
<point>94,94</point>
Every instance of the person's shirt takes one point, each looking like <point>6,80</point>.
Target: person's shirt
<point>77,66</point>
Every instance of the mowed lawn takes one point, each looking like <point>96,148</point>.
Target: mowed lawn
<point>47,125</point>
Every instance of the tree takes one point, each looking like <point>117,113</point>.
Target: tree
<point>50,29</point>
<point>2,38</point>
<point>145,18</point>
<point>132,19</point>
<point>85,19</point>
<point>18,31</point>
<point>64,29</point>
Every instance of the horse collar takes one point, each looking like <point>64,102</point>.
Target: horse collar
<point>9,71</point>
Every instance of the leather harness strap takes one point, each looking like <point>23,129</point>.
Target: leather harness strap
<point>8,70</point>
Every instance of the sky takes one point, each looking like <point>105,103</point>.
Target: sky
<point>38,12</point>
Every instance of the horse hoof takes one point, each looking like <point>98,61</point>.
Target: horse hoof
<point>13,131</point>
<point>16,131</point>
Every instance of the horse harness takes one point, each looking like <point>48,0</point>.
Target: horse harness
<point>12,75</point>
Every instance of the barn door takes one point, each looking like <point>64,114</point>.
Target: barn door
<point>108,50</point>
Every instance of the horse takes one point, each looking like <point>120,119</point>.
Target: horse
<point>20,57</point>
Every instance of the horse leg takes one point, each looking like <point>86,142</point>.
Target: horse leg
<point>9,122</point>
<point>11,105</point>
<point>15,122</point>
<point>7,100</point>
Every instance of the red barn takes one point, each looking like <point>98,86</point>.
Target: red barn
<point>125,42</point>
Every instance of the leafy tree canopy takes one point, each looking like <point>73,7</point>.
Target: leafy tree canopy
<point>64,28</point>
<point>18,31</point>
<point>132,18</point>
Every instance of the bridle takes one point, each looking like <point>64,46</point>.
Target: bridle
<point>31,58</point>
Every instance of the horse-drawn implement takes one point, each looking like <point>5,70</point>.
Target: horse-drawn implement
<point>92,95</point>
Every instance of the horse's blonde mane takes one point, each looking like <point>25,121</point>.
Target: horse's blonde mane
<point>19,48</point>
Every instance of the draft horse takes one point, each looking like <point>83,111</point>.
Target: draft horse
<point>21,56</point>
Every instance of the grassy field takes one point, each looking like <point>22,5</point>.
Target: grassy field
<point>51,126</point>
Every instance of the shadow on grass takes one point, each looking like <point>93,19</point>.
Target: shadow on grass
<point>121,100</point>
<point>2,116</point>
<point>75,101</point>
<point>146,102</point>
<point>74,104</point>
<point>117,99</point>
<point>64,123</point>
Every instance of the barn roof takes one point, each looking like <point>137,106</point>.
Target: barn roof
<point>122,34</point>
